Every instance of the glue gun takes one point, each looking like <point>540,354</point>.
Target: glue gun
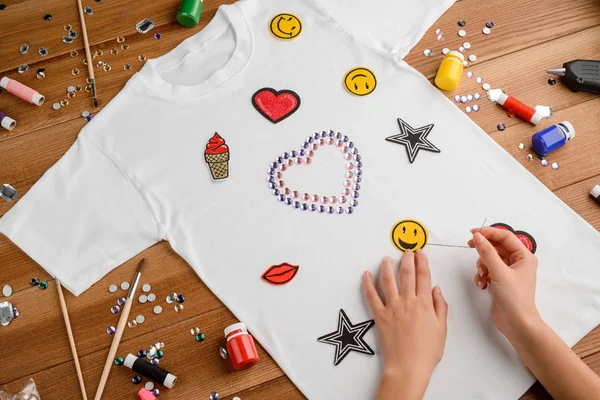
<point>533,115</point>
<point>580,75</point>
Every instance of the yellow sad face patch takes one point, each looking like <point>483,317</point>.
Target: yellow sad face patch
<point>409,234</point>
<point>285,26</point>
<point>360,81</point>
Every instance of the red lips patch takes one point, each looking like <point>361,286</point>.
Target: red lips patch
<point>275,105</point>
<point>523,236</point>
<point>280,274</point>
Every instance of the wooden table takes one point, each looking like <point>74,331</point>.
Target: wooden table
<point>525,41</point>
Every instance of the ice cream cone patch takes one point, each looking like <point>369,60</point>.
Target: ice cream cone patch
<point>216,156</point>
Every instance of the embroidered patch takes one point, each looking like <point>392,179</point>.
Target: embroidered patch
<point>275,105</point>
<point>345,202</point>
<point>280,274</point>
<point>216,156</point>
<point>360,81</point>
<point>285,26</point>
<point>413,139</point>
<point>348,337</point>
<point>409,234</point>
<point>523,236</point>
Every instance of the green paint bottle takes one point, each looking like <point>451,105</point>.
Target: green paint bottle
<point>189,12</point>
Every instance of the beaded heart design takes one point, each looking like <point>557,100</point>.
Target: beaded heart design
<point>345,202</point>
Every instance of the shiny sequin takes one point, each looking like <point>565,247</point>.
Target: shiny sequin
<point>467,45</point>
<point>24,49</point>
<point>7,290</point>
<point>142,57</point>
<point>195,331</point>
<point>157,310</point>
<point>119,361</point>
<point>479,80</point>
<point>132,323</point>
<point>462,23</point>
<point>445,50</point>
<point>555,165</point>
<point>469,74</point>
<point>115,309</point>
<point>140,319</point>
<point>73,34</point>
<point>457,98</point>
<point>143,298</point>
<point>521,146</point>
<point>486,86</point>
<point>476,96</point>
<point>151,297</point>
<point>149,385</point>
<point>463,99</point>
<point>529,157</point>
<point>67,39</point>
<point>85,114</point>
<point>466,63</point>
<point>428,52</point>
<point>223,353</point>
<point>468,109</point>
<point>124,285</point>
<point>551,81</point>
<point>34,282</point>
<point>111,330</point>
<point>476,107</point>
<point>136,380</point>
<point>43,285</point>
<point>155,392</point>
<point>22,68</point>
<point>56,106</point>
<point>213,396</point>
<point>88,10</point>
<point>178,307</point>
<point>75,71</point>
<point>461,49</point>
<point>100,64</point>
<point>486,31</point>
<point>107,67</point>
<point>469,97</point>
<point>146,288</point>
<point>462,33</point>
<point>544,163</point>
<point>171,298</point>
<point>472,58</point>
<point>126,67</point>
<point>122,301</point>
<point>501,127</point>
<point>43,51</point>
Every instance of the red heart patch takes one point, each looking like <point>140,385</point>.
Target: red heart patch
<point>523,236</point>
<point>275,105</point>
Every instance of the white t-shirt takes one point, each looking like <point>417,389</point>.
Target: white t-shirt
<point>149,167</point>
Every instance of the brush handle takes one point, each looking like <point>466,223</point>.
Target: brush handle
<point>86,43</point>
<point>113,347</point>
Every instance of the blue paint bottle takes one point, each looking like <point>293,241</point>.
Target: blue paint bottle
<point>552,138</point>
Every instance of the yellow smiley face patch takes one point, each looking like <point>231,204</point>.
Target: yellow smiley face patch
<point>285,26</point>
<point>360,81</point>
<point>409,234</point>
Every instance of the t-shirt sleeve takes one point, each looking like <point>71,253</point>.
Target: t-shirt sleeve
<point>83,218</point>
<point>394,26</point>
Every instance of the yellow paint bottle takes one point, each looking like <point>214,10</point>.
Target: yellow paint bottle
<point>450,71</point>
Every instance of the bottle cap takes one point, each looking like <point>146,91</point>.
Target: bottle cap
<point>38,99</point>
<point>595,191</point>
<point>570,130</point>
<point>240,326</point>
<point>457,54</point>
<point>170,381</point>
<point>8,123</point>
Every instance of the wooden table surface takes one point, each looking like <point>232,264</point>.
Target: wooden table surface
<point>525,41</point>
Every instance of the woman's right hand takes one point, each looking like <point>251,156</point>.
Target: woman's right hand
<point>510,270</point>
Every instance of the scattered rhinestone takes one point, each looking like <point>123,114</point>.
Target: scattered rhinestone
<point>428,52</point>
<point>43,51</point>
<point>462,33</point>
<point>501,127</point>
<point>24,49</point>
<point>555,165</point>
<point>544,162</point>
<point>476,107</point>
<point>115,309</point>
<point>486,86</point>
<point>157,310</point>
<point>111,330</point>
<point>486,31</point>
<point>140,319</point>
<point>22,68</point>
<point>552,81</point>
<point>472,58</point>
<point>124,285</point>
<point>195,331</point>
<point>88,10</point>
<point>223,353</point>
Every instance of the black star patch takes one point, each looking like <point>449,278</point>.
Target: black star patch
<point>413,139</point>
<point>348,338</point>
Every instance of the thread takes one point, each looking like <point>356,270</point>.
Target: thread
<point>521,109</point>
<point>21,91</point>
<point>150,371</point>
<point>448,245</point>
<point>7,122</point>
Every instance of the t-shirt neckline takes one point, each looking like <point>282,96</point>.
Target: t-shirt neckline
<point>227,16</point>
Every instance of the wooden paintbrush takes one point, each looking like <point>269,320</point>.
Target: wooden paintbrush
<point>88,54</point>
<point>120,328</point>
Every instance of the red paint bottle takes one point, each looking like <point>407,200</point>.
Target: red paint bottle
<point>240,346</point>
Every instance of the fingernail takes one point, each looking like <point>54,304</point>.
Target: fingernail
<point>480,284</point>
<point>480,271</point>
<point>387,258</point>
<point>472,230</point>
<point>477,238</point>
